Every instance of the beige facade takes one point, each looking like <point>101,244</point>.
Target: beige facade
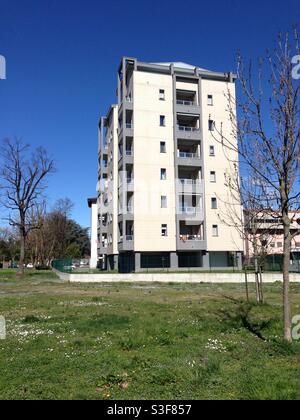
<point>161,171</point>
<point>265,233</point>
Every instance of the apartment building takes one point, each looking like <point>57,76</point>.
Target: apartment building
<point>161,177</point>
<point>264,236</point>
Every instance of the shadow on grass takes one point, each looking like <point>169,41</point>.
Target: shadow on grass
<point>241,316</point>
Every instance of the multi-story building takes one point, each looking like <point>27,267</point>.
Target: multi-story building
<point>161,171</point>
<point>264,236</point>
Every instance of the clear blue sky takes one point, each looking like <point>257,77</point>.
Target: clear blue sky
<point>62,58</point>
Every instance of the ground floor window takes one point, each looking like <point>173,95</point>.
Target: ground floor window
<point>155,261</point>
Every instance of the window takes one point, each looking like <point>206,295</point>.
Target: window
<point>210,100</point>
<point>162,121</point>
<point>211,125</point>
<point>164,230</point>
<point>211,150</point>
<point>215,231</point>
<point>162,95</point>
<point>163,147</point>
<point>163,174</point>
<point>279,244</point>
<point>164,202</point>
<point>214,203</point>
<point>297,244</point>
<point>213,176</point>
<point>272,245</point>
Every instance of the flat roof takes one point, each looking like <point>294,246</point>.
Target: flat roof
<point>91,201</point>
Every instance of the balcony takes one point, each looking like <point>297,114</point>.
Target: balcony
<point>126,242</point>
<point>192,215</point>
<point>187,129</point>
<point>186,132</point>
<point>188,126</point>
<point>191,237</point>
<point>126,245</point>
<point>127,104</point>
<point>189,186</point>
<point>130,184</point>
<point>186,102</point>
<point>190,243</point>
<point>189,159</point>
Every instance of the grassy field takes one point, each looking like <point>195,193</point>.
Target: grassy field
<point>135,341</point>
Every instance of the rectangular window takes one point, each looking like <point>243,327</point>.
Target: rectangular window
<point>162,121</point>
<point>211,125</point>
<point>210,100</point>
<point>214,203</point>
<point>164,202</point>
<point>163,147</point>
<point>279,244</point>
<point>163,174</point>
<point>213,176</point>
<point>164,230</point>
<point>162,95</point>
<point>211,150</point>
<point>215,231</point>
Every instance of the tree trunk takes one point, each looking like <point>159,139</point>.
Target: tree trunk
<point>286,281</point>
<point>247,286</point>
<point>22,253</point>
<point>262,298</point>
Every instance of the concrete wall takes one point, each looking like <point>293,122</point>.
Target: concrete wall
<point>214,278</point>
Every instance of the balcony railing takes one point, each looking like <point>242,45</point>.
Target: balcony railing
<point>129,126</point>
<point>129,152</point>
<point>129,238</point>
<point>188,238</point>
<point>190,210</point>
<point>128,99</point>
<point>189,181</point>
<point>187,129</point>
<point>185,155</point>
<point>186,103</point>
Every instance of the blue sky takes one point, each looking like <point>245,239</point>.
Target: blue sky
<point>62,58</point>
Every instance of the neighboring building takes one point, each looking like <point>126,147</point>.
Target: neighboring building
<point>265,233</point>
<point>92,203</point>
<point>162,174</point>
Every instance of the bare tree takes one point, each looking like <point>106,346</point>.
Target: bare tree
<point>23,177</point>
<point>256,232</point>
<point>268,134</point>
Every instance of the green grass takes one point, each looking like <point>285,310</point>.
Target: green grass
<point>143,341</point>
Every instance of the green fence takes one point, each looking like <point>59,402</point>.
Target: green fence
<point>64,266</point>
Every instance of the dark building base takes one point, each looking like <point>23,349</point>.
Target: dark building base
<point>130,262</point>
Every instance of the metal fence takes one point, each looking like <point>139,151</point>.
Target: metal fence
<point>64,266</point>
